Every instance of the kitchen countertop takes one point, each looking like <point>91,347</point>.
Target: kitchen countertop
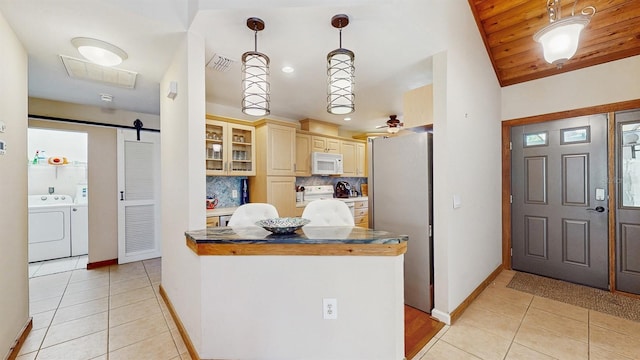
<point>221,211</point>
<point>309,240</point>
<point>351,199</point>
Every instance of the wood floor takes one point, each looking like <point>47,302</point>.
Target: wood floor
<point>419,328</point>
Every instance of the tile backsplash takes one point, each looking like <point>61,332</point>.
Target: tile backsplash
<point>221,187</point>
<point>355,182</point>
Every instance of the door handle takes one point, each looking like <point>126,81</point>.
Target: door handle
<point>121,195</point>
<point>598,209</point>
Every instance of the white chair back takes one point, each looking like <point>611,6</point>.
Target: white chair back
<point>248,214</point>
<point>328,212</point>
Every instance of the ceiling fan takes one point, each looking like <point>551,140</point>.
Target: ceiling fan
<point>393,124</point>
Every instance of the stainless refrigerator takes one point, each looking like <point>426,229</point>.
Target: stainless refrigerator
<point>400,201</point>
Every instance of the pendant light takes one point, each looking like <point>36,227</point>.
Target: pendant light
<point>560,38</point>
<point>340,72</point>
<point>255,76</point>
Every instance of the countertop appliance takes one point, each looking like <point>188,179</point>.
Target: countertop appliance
<point>343,189</point>
<point>400,198</point>
<point>326,164</point>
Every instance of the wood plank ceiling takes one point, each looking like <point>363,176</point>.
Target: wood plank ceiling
<point>507,28</point>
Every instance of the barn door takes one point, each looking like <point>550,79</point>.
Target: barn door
<point>138,196</point>
<point>559,208</point>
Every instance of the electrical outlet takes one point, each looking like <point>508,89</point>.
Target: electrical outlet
<point>329,309</point>
<point>234,193</point>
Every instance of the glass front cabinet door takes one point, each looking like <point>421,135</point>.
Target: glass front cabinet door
<point>230,149</point>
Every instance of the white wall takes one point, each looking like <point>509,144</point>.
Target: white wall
<point>270,307</point>
<point>63,178</point>
<point>183,180</point>
<point>14,298</point>
<point>607,83</point>
<point>467,163</point>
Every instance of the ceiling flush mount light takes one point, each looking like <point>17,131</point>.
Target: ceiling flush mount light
<point>255,76</point>
<point>287,69</point>
<point>99,52</point>
<point>340,72</point>
<point>560,38</point>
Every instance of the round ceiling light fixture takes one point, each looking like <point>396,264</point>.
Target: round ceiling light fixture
<point>99,52</point>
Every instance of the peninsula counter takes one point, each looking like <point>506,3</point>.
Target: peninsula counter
<point>260,296</point>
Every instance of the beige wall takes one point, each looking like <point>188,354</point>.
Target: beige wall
<point>466,153</point>
<point>102,159</point>
<point>103,186</point>
<point>607,83</point>
<point>14,297</point>
<point>64,110</point>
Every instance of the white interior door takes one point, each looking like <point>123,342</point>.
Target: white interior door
<point>138,196</point>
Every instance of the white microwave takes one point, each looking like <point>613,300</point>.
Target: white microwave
<point>326,164</point>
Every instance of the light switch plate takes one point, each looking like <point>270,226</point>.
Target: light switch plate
<point>457,202</point>
<point>3,127</point>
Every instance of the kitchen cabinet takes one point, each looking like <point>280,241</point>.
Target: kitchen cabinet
<point>213,221</point>
<point>361,160</point>
<point>353,158</point>
<point>276,145</point>
<point>230,149</point>
<point>279,191</point>
<point>325,144</point>
<point>303,155</point>
<point>361,213</point>
<point>275,181</point>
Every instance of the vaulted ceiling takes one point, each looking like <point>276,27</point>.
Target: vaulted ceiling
<point>507,28</point>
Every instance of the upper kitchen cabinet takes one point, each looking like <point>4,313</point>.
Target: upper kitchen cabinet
<point>325,144</point>
<point>353,158</point>
<point>276,145</point>
<point>418,107</point>
<point>303,155</point>
<point>230,148</point>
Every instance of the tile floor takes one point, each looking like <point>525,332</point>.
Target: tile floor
<point>116,313</point>
<point>58,265</point>
<point>503,323</point>
<point>108,313</point>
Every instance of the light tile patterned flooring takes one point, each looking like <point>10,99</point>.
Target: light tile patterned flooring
<point>503,323</point>
<point>117,313</point>
<point>108,313</point>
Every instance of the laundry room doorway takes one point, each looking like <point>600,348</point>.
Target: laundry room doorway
<point>57,200</point>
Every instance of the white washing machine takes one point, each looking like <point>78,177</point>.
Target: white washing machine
<point>49,227</point>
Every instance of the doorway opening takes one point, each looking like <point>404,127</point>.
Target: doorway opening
<point>58,200</point>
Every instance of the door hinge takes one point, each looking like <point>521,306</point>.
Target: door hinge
<point>511,252</point>
<point>510,199</point>
<point>430,231</point>
<point>510,145</point>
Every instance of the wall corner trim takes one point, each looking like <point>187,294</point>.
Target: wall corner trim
<point>17,345</point>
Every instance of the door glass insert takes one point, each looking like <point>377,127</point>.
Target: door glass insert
<point>630,164</point>
<point>575,135</point>
<point>536,139</point>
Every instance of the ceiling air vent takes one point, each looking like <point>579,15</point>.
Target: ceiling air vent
<point>219,63</point>
<point>84,70</point>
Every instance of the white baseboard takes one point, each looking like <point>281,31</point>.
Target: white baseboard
<point>441,316</point>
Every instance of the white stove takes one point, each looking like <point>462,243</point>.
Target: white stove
<point>318,192</point>
<point>321,192</point>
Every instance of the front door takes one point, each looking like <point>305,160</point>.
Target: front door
<point>559,207</point>
<point>628,202</point>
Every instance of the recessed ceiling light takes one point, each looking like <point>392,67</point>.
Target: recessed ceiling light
<point>99,52</point>
<point>287,69</point>
<point>347,119</point>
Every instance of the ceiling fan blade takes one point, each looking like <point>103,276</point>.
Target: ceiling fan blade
<point>381,126</point>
